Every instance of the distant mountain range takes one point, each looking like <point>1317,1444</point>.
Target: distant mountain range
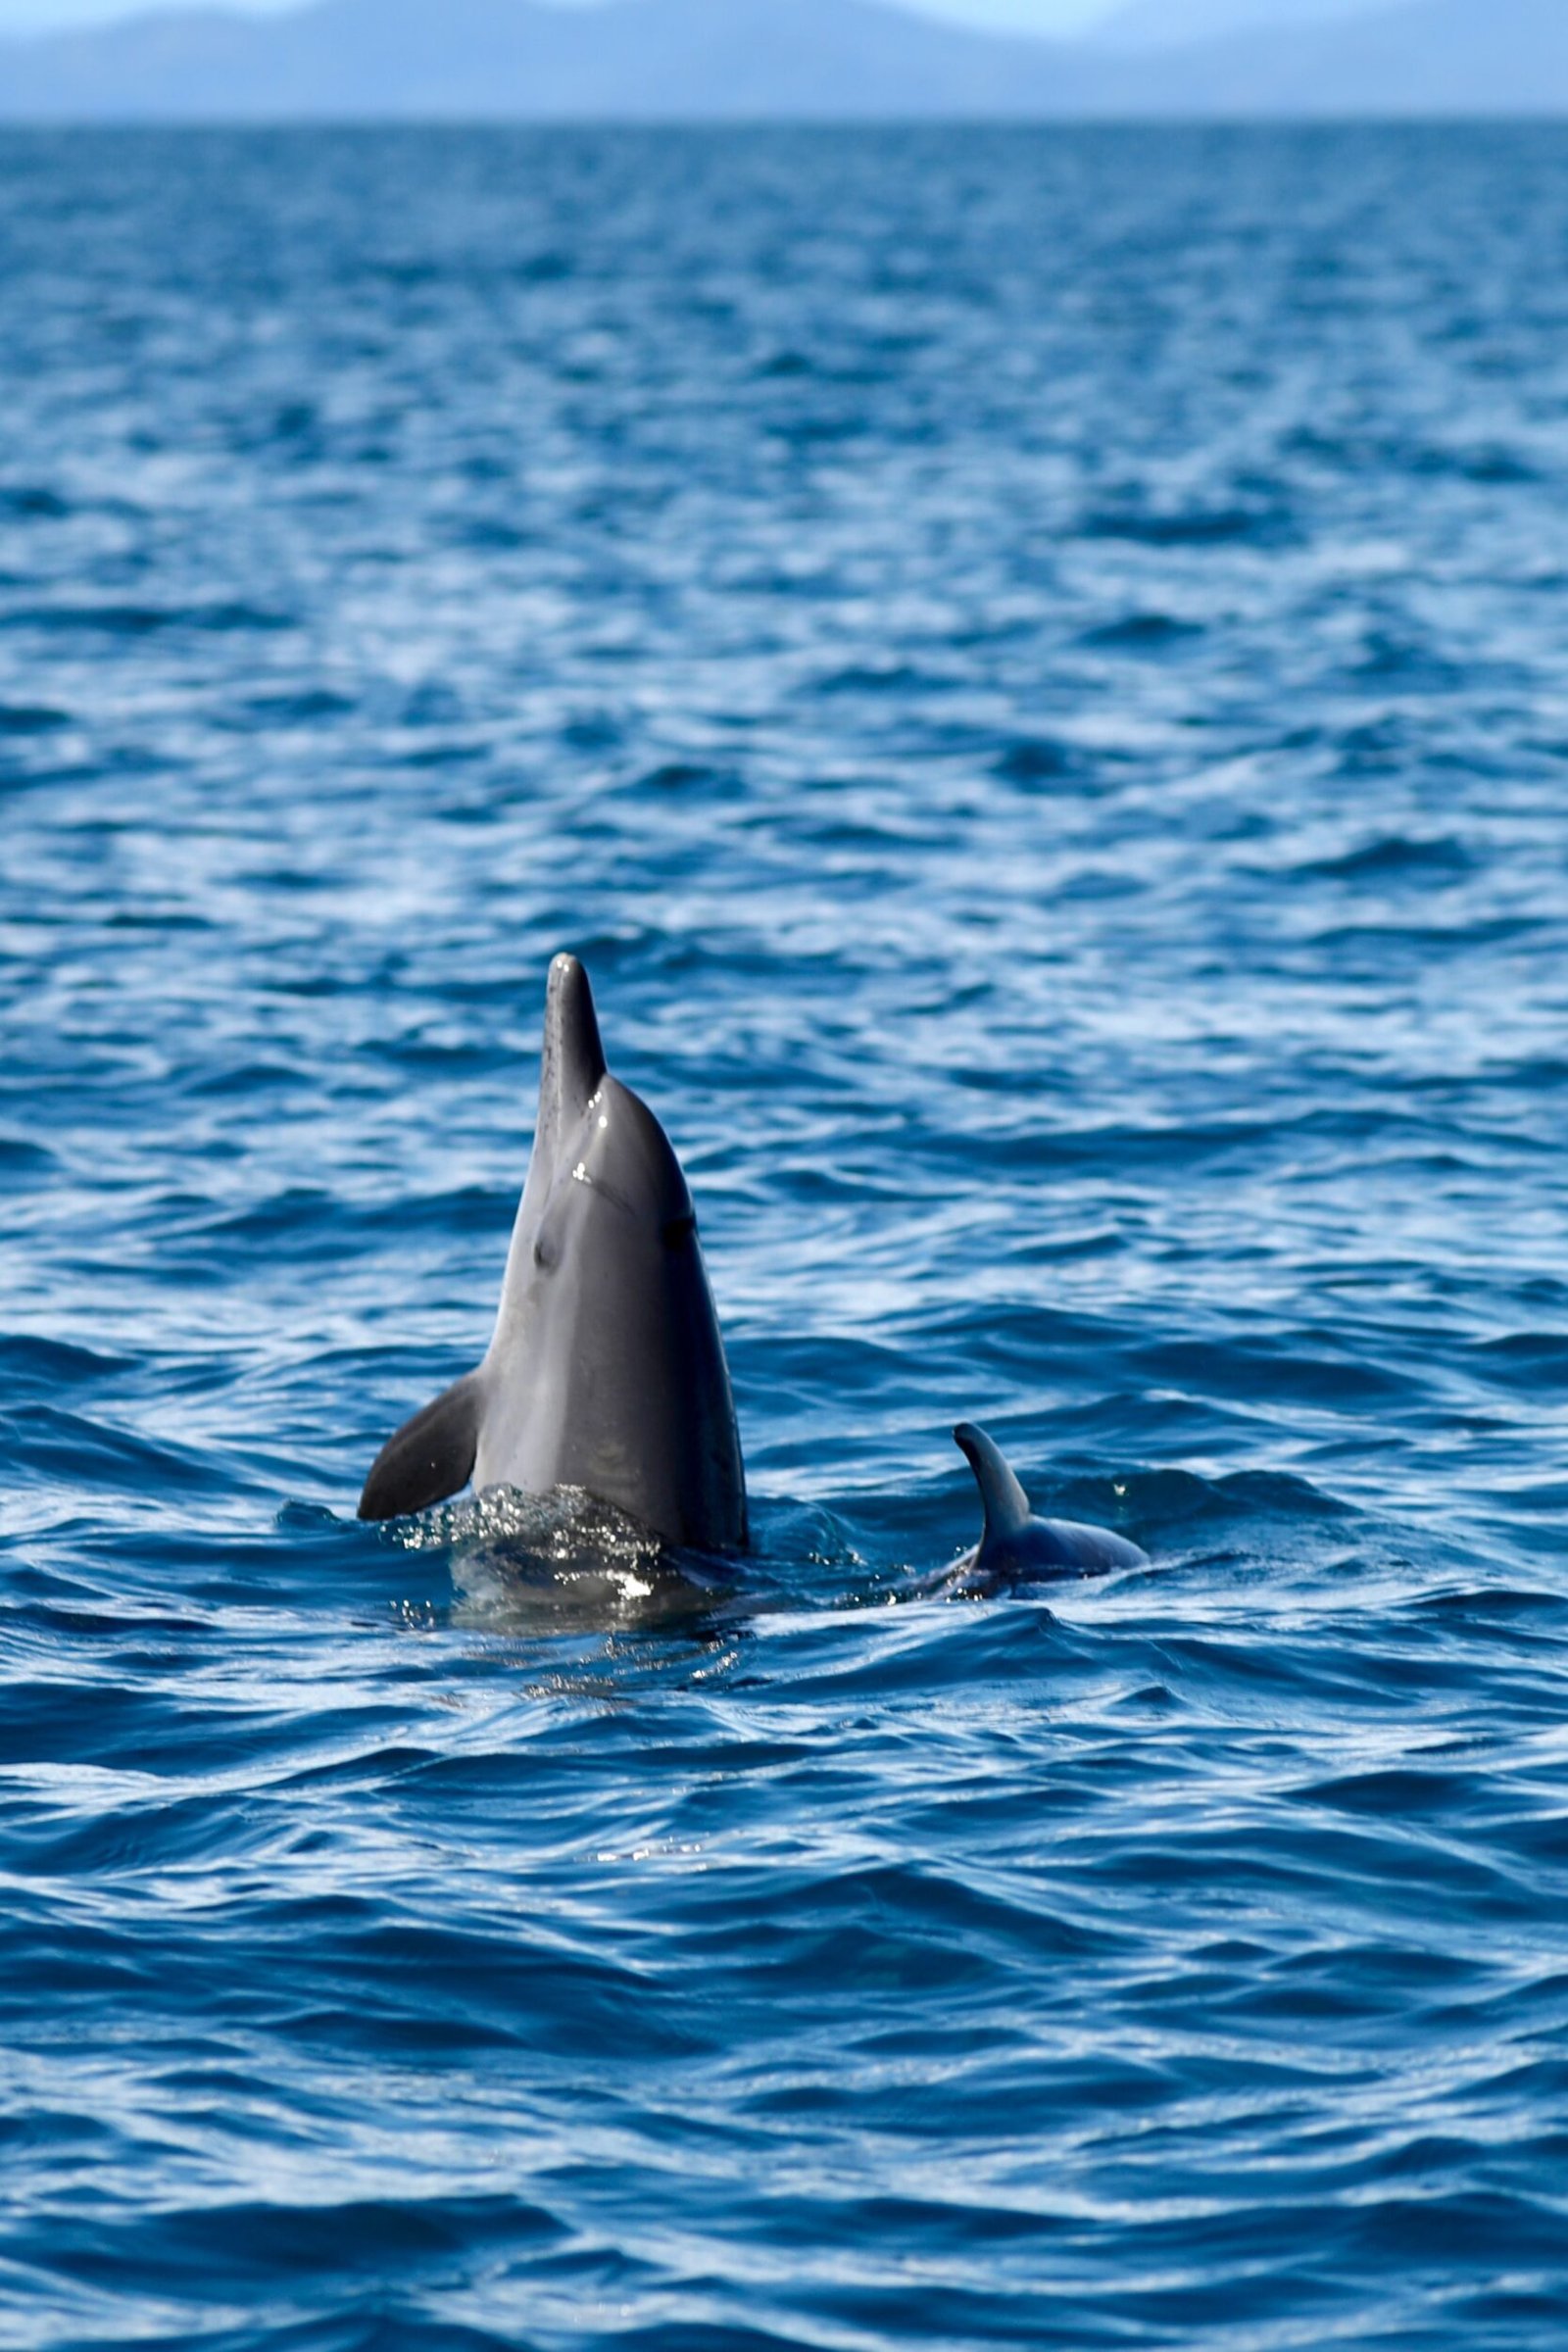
<point>792,60</point>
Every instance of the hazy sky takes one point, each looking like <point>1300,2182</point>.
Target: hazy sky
<point>1019,15</point>
<point>1033,16</point>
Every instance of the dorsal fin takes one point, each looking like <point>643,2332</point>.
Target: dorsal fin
<point>1006,1506</point>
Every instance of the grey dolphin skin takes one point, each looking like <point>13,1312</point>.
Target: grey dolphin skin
<point>1017,1548</point>
<point>606,1371</point>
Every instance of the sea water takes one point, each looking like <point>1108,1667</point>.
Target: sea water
<point>1033,668</point>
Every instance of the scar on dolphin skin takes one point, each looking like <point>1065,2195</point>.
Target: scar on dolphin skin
<point>605,1370</point>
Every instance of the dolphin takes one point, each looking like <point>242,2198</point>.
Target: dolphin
<point>1017,1548</point>
<point>607,1372</point>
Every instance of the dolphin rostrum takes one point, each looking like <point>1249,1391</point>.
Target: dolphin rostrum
<point>606,1372</point>
<point>1017,1548</point>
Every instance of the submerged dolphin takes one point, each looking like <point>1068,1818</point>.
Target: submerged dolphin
<point>607,1371</point>
<point>1016,1548</point>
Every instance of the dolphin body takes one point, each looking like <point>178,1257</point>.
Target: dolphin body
<point>1016,1548</point>
<point>607,1371</point>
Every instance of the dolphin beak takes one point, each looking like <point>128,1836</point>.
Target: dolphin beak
<point>573,1060</point>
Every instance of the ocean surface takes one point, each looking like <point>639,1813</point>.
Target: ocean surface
<point>1033,668</point>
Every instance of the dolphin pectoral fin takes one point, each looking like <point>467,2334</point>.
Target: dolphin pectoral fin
<point>430,1457</point>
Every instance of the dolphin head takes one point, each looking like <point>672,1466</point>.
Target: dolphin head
<point>607,1370</point>
<point>571,1057</point>
<point>603,1181</point>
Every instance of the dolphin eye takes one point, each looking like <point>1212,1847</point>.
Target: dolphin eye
<point>545,1252</point>
<point>678,1232</point>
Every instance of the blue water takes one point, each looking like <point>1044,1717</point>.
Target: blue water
<point>1034,670</point>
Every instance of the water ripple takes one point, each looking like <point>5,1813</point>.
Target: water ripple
<point>1029,667</point>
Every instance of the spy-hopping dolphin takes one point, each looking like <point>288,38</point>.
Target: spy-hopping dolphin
<point>1017,1548</point>
<point>606,1372</point>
